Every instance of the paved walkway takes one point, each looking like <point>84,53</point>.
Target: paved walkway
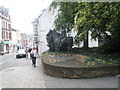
<point>26,76</point>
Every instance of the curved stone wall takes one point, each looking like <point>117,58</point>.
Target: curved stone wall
<point>63,71</point>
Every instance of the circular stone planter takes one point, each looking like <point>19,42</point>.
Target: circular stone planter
<point>66,69</point>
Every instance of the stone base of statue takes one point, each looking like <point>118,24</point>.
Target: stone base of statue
<point>72,67</point>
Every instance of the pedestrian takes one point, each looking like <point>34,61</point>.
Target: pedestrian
<point>29,50</point>
<point>33,55</point>
<point>26,51</point>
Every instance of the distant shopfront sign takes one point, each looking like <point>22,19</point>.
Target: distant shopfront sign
<point>6,42</point>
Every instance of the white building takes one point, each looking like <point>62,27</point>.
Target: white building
<point>16,37</point>
<point>42,25</point>
<point>0,27</point>
<point>91,42</point>
<point>46,20</point>
<point>20,40</point>
<point>30,43</point>
<point>1,41</point>
<point>35,32</point>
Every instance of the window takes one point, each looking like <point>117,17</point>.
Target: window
<point>3,24</point>
<point>6,35</point>
<point>3,32</point>
<point>9,26</point>
<point>10,37</point>
<point>6,25</point>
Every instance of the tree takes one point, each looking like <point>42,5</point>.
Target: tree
<point>66,15</point>
<point>97,17</point>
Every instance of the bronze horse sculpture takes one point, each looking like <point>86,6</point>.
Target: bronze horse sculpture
<point>60,41</point>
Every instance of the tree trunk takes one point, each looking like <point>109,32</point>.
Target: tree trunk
<point>85,42</point>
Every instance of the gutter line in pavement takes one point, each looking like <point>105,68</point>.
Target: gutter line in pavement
<point>6,61</point>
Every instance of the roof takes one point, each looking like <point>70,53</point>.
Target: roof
<point>4,12</point>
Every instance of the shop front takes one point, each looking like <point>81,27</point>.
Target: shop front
<point>1,46</point>
<point>6,46</point>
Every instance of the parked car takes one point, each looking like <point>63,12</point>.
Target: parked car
<point>21,54</point>
<point>1,53</point>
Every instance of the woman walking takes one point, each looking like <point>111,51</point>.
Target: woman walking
<point>29,55</point>
<point>33,54</point>
<point>26,51</point>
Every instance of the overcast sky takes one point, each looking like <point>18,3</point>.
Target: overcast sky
<point>23,12</point>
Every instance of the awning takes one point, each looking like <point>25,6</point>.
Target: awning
<point>6,42</point>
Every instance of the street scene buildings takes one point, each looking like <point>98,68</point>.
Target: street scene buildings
<point>11,39</point>
<point>73,46</point>
<point>8,34</point>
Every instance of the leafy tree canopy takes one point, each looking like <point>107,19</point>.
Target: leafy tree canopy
<point>97,17</point>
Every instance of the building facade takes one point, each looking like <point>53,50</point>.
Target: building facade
<point>35,24</point>
<point>16,40</point>
<point>5,29</point>
<point>11,40</point>
<point>43,24</point>
<point>20,40</point>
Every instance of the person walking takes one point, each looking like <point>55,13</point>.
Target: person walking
<point>33,55</point>
<point>26,51</point>
<point>29,56</point>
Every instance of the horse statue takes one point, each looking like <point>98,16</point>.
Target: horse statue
<point>60,41</point>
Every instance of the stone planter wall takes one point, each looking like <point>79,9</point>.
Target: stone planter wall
<point>79,72</point>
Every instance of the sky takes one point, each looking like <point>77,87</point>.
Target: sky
<point>23,12</point>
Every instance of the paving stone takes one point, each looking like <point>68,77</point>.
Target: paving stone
<point>28,89</point>
<point>27,77</point>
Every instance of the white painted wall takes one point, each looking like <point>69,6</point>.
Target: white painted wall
<point>13,43</point>
<point>92,43</point>
<point>45,24</point>
<point>14,37</point>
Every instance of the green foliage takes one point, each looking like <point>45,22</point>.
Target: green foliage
<point>97,17</point>
<point>100,18</point>
<point>66,15</point>
<point>97,58</point>
<point>108,47</point>
<point>100,61</point>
